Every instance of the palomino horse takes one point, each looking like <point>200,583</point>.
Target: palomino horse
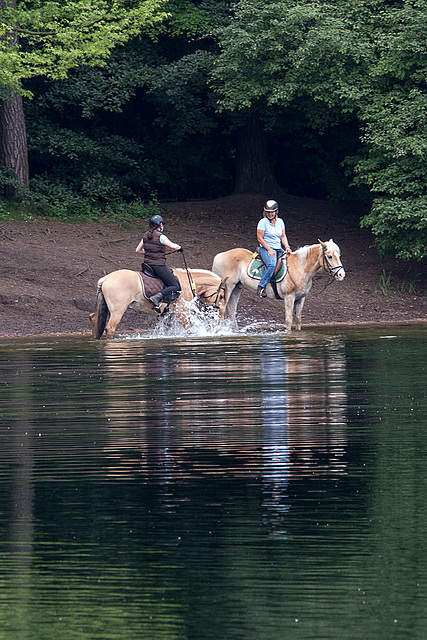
<point>123,289</point>
<point>302,265</point>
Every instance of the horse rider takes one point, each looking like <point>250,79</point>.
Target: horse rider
<point>271,236</point>
<point>153,244</point>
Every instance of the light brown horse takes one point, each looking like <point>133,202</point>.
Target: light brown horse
<point>123,289</point>
<point>302,265</point>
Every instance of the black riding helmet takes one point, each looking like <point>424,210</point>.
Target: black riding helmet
<point>156,221</point>
<point>271,205</point>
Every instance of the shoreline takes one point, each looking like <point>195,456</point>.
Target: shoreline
<point>310,325</point>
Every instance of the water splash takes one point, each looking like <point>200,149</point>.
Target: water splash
<point>201,322</point>
<point>204,323</point>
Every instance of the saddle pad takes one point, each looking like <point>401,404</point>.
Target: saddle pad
<point>256,268</point>
<point>150,285</point>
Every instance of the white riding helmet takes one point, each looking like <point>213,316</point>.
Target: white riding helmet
<point>271,205</point>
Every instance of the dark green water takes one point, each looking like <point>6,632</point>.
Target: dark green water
<point>243,488</point>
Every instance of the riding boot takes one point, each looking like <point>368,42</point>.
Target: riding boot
<point>156,300</point>
<point>261,292</point>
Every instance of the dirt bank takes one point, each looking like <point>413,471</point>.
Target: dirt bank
<point>49,269</point>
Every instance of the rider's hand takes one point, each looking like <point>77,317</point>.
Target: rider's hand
<point>271,253</point>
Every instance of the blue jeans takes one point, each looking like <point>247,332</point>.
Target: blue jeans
<point>270,266</point>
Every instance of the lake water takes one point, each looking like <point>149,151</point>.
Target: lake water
<point>206,487</point>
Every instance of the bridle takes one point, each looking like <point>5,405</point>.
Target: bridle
<point>217,294</point>
<point>202,299</point>
<point>333,271</point>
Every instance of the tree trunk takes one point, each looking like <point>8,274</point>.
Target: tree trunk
<point>13,138</point>
<point>13,133</point>
<point>254,168</point>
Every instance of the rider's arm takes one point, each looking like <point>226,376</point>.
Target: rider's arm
<point>168,243</point>
<point>260,238</point>
<point>284,241</point>
<point>140,247</point>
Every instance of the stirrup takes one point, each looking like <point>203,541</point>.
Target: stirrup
<point>261,292</point>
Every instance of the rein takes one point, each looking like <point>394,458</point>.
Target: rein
<point>288,272</point>
<point>193,285</point>
<point>189,276</point>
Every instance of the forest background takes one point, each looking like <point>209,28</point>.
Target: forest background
<point>109,108</point>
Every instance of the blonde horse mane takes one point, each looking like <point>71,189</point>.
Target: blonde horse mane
<point>302,252</point>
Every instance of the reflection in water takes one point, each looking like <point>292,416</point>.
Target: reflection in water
<point>276,414</point>
<point>269,483</point>
<point>276,409</point>
<point>20,525</point>
<point>303,410</point>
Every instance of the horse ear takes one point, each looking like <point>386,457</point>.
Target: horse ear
<point>322,243</point>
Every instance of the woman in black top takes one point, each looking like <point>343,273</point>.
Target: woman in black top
<point>153,244</point>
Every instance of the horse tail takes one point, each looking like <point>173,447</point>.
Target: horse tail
<point>99,316</point>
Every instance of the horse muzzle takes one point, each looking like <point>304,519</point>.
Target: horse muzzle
<point>339,273</point>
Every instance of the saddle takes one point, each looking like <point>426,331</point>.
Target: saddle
<point>257,266</point>
<point>152,284</point>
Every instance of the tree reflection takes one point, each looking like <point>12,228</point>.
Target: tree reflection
<point>20,529</point>
<point>273,409</point>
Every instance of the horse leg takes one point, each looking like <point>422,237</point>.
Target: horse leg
<point>289,310</point>
<point>112,323</point>
<point>233,301</point>
<point>181,315</point>
<point>299,304</point>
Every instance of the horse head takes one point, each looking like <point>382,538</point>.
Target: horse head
<point>216,298</point>
<point>331,255</point>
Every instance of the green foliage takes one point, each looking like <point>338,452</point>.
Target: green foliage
<point>168,140</point>
<point>395,127</point>
<point>56,200</point>
<point>406,286</point>
<point>55,37</point>
<point>368,59</point>
<point>400,226</point>
<point>10,183</point>
<point>286,51</point>
<point>133,210</point>
<point>100,167</point>
<point>339,85</point>
<point>383,283</point>
<point>193,19</point>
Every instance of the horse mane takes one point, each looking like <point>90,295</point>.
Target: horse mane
<point>302,252</point>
